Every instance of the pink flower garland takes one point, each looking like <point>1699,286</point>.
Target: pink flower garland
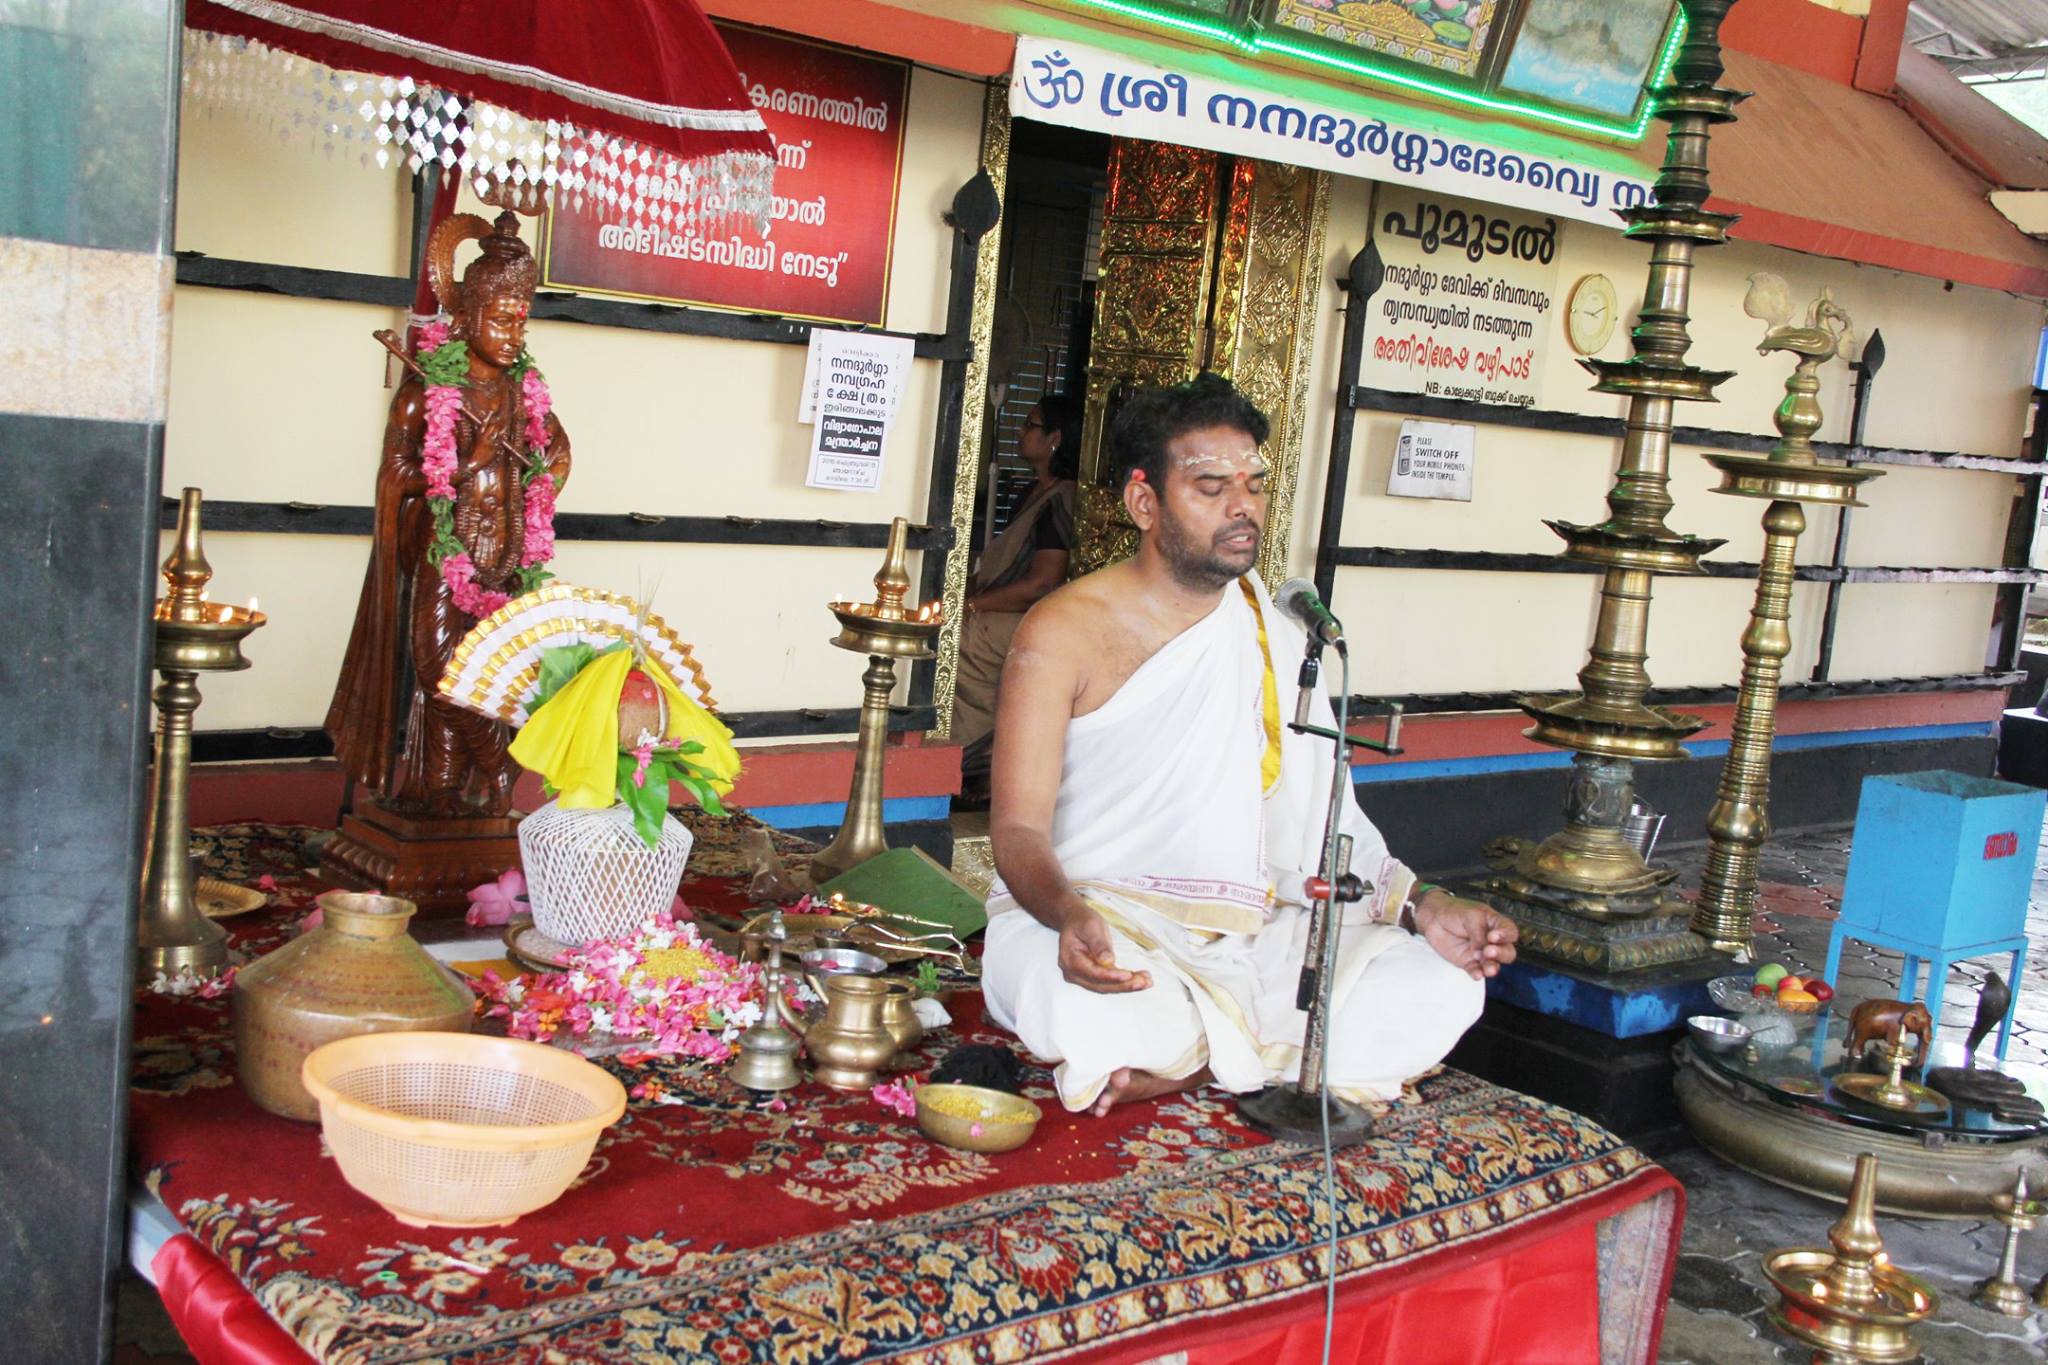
<point>610,988</point>
<point>438,461</point>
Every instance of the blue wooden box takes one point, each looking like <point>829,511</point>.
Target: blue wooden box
<point>1942,859</point>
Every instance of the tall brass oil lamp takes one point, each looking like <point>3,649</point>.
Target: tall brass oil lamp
<point>1585,895</point>
<point>2002,1292</point>
<point>885,631</point>
<point>1789,475</point>
<point>193,636</point>
<point>1850,1304</point>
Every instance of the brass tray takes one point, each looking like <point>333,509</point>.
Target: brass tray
<point>224,900</point>
<point>807,932</point>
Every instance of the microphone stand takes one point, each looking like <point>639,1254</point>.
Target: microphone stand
<point>1303,1112</point>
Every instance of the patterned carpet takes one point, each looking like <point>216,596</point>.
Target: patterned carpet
<point>708,1229</point>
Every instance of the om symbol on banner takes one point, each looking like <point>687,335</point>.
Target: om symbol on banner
<point>1056,80</point>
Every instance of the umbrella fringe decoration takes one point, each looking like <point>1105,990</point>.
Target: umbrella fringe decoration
<point>386,122</point>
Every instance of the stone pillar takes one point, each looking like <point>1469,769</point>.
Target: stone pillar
<point>88,138</point>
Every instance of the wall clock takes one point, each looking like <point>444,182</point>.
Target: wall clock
<point>1590,312</point>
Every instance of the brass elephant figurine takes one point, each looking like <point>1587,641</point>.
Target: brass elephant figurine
<point>1887,1019</point>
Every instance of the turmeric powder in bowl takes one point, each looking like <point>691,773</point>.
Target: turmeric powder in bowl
<point>974,1119</point>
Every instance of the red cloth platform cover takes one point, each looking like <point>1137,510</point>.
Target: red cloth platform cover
<point>654,71</point>
<point>221,1322</point>
<point>1538,1304</point>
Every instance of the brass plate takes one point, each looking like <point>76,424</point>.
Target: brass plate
<point>529,947</point>
<point>224,900</point>
<point>1920,1102</point>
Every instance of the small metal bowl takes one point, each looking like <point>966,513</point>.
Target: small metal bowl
<point>842,962</point>
<point>1716,1034</point>
<point>975,1119</point>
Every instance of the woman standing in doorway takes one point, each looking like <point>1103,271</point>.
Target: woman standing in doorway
<point>1026,562</point>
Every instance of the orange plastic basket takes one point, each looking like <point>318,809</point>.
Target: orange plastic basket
<point>458,1130</point>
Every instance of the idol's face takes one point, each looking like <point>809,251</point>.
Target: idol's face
<point>497,333</point>
<point>1212,509</point>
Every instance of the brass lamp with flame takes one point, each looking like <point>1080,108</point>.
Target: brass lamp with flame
<point>884,630</point>
<point>1850,1304</point>
<point>193,636</point>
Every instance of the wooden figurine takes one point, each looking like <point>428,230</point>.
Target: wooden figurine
<point>472,459</point>
<point>1888,1019</point>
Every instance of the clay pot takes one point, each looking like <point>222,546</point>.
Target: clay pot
<point>357,972</point>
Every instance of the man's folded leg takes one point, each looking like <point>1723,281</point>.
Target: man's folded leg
<point>1090,1035</point>
<point>1404,1015</point>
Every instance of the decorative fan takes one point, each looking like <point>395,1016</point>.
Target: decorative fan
<point>496,668</point>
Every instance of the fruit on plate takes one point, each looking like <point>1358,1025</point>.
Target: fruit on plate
<point>1770,974</point>
<point>1801,1001</point>
<point>1820,990</point>
<point>1761,991</point>
<point>1791,983</point>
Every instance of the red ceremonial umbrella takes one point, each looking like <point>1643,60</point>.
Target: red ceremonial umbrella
<point>633,103</point>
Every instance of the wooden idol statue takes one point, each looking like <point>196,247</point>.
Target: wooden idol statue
<point>472,461</point>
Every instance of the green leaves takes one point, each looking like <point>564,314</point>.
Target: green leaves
<point>648,798</point>
<point>563,662</point>
<point>444,543</point>
<point>447,363</point>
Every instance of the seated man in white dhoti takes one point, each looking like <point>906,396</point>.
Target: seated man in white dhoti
<point>1154,822</point>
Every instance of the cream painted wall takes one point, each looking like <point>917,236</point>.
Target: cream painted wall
<point>1955,378</point>
<point>276,400</point>
<point>279,400</point>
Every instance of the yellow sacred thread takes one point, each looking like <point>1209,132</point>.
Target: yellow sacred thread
<point>1269,763</point>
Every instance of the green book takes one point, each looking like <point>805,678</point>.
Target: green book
<point>909,881</point>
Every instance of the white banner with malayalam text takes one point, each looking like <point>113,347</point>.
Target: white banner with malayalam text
<point>1087,87</point>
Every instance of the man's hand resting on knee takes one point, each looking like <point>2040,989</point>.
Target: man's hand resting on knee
<point>1088,957</point>
<point>1475,938</point>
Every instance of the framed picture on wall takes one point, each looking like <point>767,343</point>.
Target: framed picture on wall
<point>1592,55</point>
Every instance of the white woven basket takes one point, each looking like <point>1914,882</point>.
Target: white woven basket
<point>589,875</point>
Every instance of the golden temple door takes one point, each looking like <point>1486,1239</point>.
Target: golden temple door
<point>1207,262</point>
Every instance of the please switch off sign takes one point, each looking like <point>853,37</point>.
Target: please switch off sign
<point>1433,460</point>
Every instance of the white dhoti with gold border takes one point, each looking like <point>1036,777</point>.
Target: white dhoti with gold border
<point>1189,818</point>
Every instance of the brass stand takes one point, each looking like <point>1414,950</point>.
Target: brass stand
<point>884,632</point>
<point>766,1059</point>
<point>1585,895</point>
<point>1892,1091</point>
<point>192,636</point>
<point>1738,824</point>
<point>2002,1293</point>
<point>1850,1304</point>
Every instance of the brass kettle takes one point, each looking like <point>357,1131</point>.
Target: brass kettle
<point>851,1043</point>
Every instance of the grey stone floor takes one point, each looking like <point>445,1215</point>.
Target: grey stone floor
<point>1719,1298</point>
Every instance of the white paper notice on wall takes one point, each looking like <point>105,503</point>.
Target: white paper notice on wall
<point>1467,310</point>
<point>860,385</point>
<point>1433,460</point>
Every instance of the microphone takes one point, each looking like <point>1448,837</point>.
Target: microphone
<point>1297,597</point>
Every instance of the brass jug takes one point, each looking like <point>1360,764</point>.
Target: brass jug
<point>851,1043</point>
<point>899,1016</point>
<point>357,972</point>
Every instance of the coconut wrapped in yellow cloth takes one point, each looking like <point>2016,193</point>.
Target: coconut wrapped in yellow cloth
<point>576,740</point>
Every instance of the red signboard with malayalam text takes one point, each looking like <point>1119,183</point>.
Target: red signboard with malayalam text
<point>837,119</point>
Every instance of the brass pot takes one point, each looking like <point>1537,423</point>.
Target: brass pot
<point>851,1043</point>
<point>357,972</point>
<point>899,1014</point>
